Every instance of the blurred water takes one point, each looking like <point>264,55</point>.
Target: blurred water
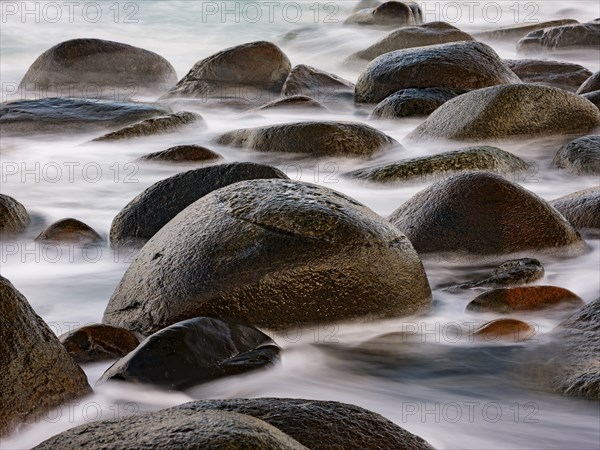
<point>461,405</point>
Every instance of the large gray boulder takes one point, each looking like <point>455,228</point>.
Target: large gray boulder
<point>323,138</point>
<point>582,209</point>
<point>95,68</point>
<point>560,74</point>
<point>484,214</point>
<point>252,72</point>
<point>504,112</point>
<point>37,372</point>
<point>317,84</point>
<point>13,215</point>
<point>413,102</point>
<point>581,156</point>
<point>457,65</point>
<point>275,254</point>
<point>154,207</point>
<point>591,84</point>
<point>576,36</point>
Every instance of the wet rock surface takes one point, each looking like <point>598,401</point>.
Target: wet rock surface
<point>183,153</point>
<point>387,15</point>
<point>71,231</point>
<point>590,85</point>
<point>293,102</point>
<point>582,209</point>
<point>414,102</point>
<point>13,216</point>
<point>195,351</point>
<point>505,330</point>
<point>97,342</point>
<point>154,207</point>
<point>519,31</point>
<point>522,299</point>
<point>315,83</point>
<point>563,75</point>
<point>317,256</point>
<point>581,156</point>
<point>576,36</point>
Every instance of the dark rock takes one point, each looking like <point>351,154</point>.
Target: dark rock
<point>510,273</point>
<point>56,115</point>
<point>525,298</point>
<point>183,153</point>
<point>323,138</point>
<point>315,83</point>
<point>389,14</point>
<point>69,230</point>
<point>252,72</point>
<point>560,74</point>
<point>484,214</point>
<point>275,254</point>
<point>514,111</point>
<point>590,85</point>
<point>414,102</point>
<point>518,31</point>
<point>98,342</point>
<point>490,159</point>
<point>365,4</point>
<point>430,33</point>
<point>13,216</point>
<point>580,156</point>
<point>157,205</point>
<point>593,97</point>
<point>295,102</point>
<point>457,65</point>
<point>583,35</point>
<point>157,125</point>
<point>582,209</point>
<point>195,351</point>
<point>37,372</point>
<point>94,68</point>
<point>170,429</point>
<point>505,329</point>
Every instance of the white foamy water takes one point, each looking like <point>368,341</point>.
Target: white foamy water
<point>446,397</point>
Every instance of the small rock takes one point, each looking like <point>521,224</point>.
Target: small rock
<point>505,329</point>
<point>157,125</point>
<point>414,102</point>
<point>153,208</point>
<point>457,65</point>
<point>95,68</point>
<point>13,215</point>
<point>323,138</point>
<point>37,372</point>
<point>275,254</point>
<point>510,273</point>
<point>389,14</point>
<point>590,85</point>
<point>172,429</point>
<point>582,209</point>
<point>518,31</point>
<point>593,97</point>
<point>315,83</point>
<point>295,102</point>
<point>98,342</point>
<point>183,153</point>
<point>69,230</point>
<point>252,72</point>
<point>490,159</point>
<point>527,298</point>
<point>505,112</point>
<point>583,35</point>
<point>484,214</point>
<point>195,351</point>
<point>560,74</point>
<point>430,33</point>
<point>580,156</point>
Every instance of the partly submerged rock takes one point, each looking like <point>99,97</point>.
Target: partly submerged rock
<point>520,30</point>
<point>97,342</point>
<point>388,14</point>
<point>581,156</point>
<point>504,330</point>
<point>183,153</point>
<point>71,231</point>
<point>560,74</point>
<point>414,102</point>
<point>524,299</point>
<point>13,215</point>
<point>590,85</point>
<point>317,84</point>
<point>582,209</point>
<point>514,272</point>
<point>576,36</point>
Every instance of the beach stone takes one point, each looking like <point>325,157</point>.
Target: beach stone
<point>13,215</point>
<point>513,111</point>
<point>37,372</point>
<point>582,209</point>
<point>183,153</point>
<point>154,207</point>
<point>581,156</point>
<point>504,329</point>
<point>413,102</point>
<point>195,351</point>
<point>430,33</point>
<point>583,36</point>
<point>59,115</point>
<point>317,138</point>
<point>525,298</point>
<point>456,65</point>
<point>518,31</point>
<point>484,214</point>
<point>316,256</point>
<point>169,123</point>
<point>95,68</point>
<point>482,158</point>
<point>590,85</point>
<point>294,103</point>
<point>69,230</point>
<point>593,97</point>
<point>514,272</point>
<point>560,74</point>
<point>388,14</point>
<point>97,342</point>
<point>175,429</point>
<point>315,83</point>
<point>251,72</point>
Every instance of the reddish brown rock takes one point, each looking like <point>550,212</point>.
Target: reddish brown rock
<point>71,231</point>
<point>529,298</point>
<point>504,329</point>
<point>98,342</point>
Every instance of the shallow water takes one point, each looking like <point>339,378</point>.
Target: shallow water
<point>452,392</point>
